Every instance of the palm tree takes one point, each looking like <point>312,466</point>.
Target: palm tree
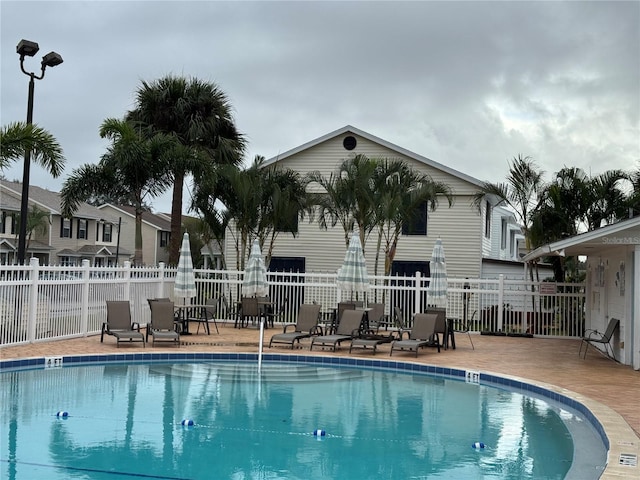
<point>348,197</point>
<point>401,193</point>
<point>133,167</point>
<point>38,222</point>
<point>262,202</point>
<point>607,201</point>
<point>198,115</point>
<point>375,194</point>
<point>20,137</point>
<point>520,192</point>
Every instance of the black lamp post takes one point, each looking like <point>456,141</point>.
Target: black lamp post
<point>28,49</point>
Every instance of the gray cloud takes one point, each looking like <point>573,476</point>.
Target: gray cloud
<point>468,84</point>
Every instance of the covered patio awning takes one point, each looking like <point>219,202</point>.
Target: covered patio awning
<point>625,233</point>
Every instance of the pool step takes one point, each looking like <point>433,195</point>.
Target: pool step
<point>281,373</point>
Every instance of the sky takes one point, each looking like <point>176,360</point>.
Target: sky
<point>470,85</point>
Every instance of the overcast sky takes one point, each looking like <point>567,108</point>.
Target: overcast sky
<point>467,84</point>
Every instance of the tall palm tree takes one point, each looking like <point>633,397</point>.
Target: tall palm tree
<point>400,194</point>
<point>263,202</point>
<point>38,222</point>
<point>348,197</point>
<point>19,137</point>
<point>377,194</point>
<point>520,192</point>
<point>132,167</point>
<point>198,114</point>
<point>607,200</point>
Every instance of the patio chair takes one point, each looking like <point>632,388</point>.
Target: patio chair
<point>273,314</point>
<point>306,326</point>
<point>248,311</point>
<point>119,323</point>
<point>348,328</point>
<point>162,326</point>
<point>421,335</point>
<point>592,337</point>
<point>376,315</point>
<point>460,326</point>
<point>441,326</point>
<point>372,337</point>
<point>208,314</point>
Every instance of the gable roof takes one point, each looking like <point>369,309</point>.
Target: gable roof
<point>50,201</point>
<point>402,151</point>
<point>626,232</point>
<point>156,221</point>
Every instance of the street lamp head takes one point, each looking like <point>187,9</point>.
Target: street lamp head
<point>51,59</point>
<point>27,48</point>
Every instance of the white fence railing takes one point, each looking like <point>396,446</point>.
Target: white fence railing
<point>39,303</point>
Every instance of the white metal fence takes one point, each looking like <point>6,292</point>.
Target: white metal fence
<point>39,303</point>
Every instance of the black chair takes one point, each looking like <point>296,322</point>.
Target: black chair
<point>208,314</point>
<point>460,326</point>
<point>441,325</point>
<point>249,311</point>
<point>592,337</point>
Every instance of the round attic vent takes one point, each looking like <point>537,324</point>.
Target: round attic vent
<point>349,143</point>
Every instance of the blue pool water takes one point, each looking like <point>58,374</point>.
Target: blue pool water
<point>125,421</point>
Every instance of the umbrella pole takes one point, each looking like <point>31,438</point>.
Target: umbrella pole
<point>260,345</point>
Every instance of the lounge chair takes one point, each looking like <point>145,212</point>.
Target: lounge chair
<point>306,326</point>
<point>591,337</point>
<point>348,328</point>
<point>420,335</point>
<point>119,323</point>
<point>371,339</point>
<point>162,327</point>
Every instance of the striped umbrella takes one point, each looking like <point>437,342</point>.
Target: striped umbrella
<point>255,274</point>
<point>185,285</point>
<point>352,276</point>
<point>438,284</point>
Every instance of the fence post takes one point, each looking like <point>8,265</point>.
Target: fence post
<point>417,298</point>
<point>84,316</point>
<point>500,301</point>
<point>161,272</point>
<point>32,307</point>
<point>127,279</point>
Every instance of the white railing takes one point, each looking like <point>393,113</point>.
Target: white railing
<point>39,303</point>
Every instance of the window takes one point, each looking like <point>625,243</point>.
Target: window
<point>287,225</point>
<point>487,221</point>
<point>106,232</point>
<point>3,221</point>
<point>164,239</point>
<point>65,228</point>
<point>82,228</point>
<point>503,234</point>
<point>417,224</point>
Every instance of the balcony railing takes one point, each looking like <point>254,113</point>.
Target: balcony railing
<point>40,303</point>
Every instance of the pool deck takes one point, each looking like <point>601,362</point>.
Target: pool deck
<point>610,390</point>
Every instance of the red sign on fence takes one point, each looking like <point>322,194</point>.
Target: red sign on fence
<point>548,288</point>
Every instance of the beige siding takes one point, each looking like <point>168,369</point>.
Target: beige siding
<point>459,227</point>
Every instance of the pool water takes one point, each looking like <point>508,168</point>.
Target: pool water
<point>125,421</point>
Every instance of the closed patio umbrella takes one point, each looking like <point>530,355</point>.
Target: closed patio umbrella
<point>254,282</point>
<point>353,276</point>
<point>438,284</point>
<point>185,284</point>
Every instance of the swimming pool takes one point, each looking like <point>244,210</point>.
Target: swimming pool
<point>380,419</point>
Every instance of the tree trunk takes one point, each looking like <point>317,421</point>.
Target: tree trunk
<point>176,219</point>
